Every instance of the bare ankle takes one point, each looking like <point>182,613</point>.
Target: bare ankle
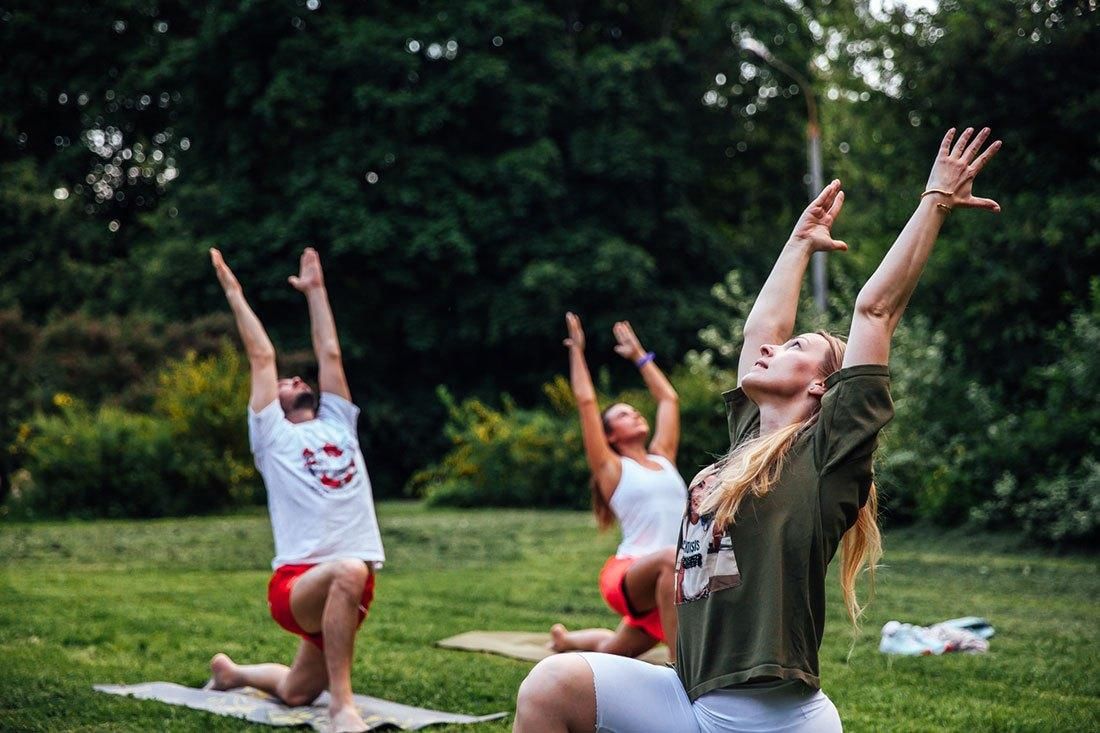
<point>346,718</point>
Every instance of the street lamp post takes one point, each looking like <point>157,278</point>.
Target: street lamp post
<point>819,275</point>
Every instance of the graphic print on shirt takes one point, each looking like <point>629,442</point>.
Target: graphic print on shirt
<point>705,562</point>
<point>331,464</point>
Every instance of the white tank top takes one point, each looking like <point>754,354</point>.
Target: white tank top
<point>649,505</point>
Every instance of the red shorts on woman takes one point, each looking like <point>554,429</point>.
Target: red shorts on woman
<point>278,600</point>
<point>612,588</point>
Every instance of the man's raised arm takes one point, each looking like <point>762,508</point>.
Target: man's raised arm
<point>261,354</point>
<point>310,282</point>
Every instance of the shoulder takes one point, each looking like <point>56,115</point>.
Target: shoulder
<point>333,400</point>
<point>860,375</point>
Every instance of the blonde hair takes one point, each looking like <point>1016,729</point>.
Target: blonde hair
<point>753,467</point>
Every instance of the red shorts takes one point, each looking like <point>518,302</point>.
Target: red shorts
<point>612,579</point>
<point>278,600</point>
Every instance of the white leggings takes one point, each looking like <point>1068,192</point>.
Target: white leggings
<point>637,697</point>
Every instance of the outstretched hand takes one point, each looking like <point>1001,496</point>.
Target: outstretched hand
<point>225,276</point>
<point>628,346</point>
<point>955,168</point>
<point>814,227</point>
<point>309,272</point>
<point>576,333</point>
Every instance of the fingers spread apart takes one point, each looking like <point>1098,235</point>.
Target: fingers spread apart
<point>960,146</point>
<point>838,204</point>
<point>945,145</point>
<point>825,198</point>
<point>982,159</point>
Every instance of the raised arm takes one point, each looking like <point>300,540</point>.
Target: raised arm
<point>666,434</point>
<point>604,463</point>
<point>261,354</point>
<point>884,298</point>
<point>310,281</point>
<point>771,320</point>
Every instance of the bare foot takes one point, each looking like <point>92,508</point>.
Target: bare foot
<point>346,720</point>
<point>223,673</point>
<point>557,641</point>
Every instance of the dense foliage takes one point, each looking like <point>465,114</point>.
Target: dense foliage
<point>535,457</point>
<point>469,171</point>
<point>186,455</point>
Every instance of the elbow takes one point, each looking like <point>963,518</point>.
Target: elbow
<point>875,309</point>
<point>261,356</point>
<point>758,331</point>
<point>329,351</point>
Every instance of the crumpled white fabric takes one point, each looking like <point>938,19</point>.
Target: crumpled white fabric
<point>968,635</point>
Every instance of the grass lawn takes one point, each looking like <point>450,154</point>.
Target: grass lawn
<point>130,601</point>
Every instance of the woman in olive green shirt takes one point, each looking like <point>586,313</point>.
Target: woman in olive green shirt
<point>763,523</point>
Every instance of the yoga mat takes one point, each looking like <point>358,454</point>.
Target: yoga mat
<point>524,645</point>
<point>258,707</point>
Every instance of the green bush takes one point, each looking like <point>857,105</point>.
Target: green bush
<point>506,457</point>
<point>204,401</point>
<point>1050,480</point>
<point>926,466</point>
<point>535,457</point>
<point>1062,510</point>
<point>189,455</point>
<point>106,462</point>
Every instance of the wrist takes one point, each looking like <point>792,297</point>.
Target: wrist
<point>802,248</point>
<point>937,201</point>
<point>644,359</point>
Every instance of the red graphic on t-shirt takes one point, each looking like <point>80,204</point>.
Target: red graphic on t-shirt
<point>333,466</point>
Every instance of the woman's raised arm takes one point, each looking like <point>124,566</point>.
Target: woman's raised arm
<point>771,320</point>
<point>604,463</point>
<point>884,298</point>
<point>666,433</point>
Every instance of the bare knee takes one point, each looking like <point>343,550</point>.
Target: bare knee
<point>668,567</point>
<point>349,575</point>
<point>558,691</point>
<point>297,696</point>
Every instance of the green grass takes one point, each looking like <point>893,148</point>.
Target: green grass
<point>130,601</point>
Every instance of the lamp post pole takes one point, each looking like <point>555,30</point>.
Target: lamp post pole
<point>818,274</point>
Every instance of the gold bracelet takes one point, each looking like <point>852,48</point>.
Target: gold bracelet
<point>939,205</point>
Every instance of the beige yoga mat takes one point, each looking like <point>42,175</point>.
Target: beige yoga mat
<point>531,646</point>
<point>258,707</point>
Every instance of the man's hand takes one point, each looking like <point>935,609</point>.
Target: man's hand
<point>575,340</point>
<point>814,227</point>
<point>309,275</point>
<point>225,276</point>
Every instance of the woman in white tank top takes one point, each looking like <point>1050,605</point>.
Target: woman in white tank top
<point>639,486</point>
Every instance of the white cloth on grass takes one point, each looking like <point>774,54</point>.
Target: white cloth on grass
<point>967,635</point>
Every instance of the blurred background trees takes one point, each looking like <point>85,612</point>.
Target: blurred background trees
<point>470,171</point>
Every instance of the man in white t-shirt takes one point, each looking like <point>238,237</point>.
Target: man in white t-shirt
<point>327,543</point>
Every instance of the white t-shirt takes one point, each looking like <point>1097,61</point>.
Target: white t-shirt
<point>649,505</point>
<point>318,491</point>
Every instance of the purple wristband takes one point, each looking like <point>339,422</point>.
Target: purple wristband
<point>643,360</point>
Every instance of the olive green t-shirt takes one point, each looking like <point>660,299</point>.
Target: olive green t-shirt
<point>751,600</point>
